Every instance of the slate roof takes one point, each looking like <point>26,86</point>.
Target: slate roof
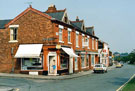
<point>89,30</point>
<point>56,15</point>
<point>77,24</point>
<point>3,22</point>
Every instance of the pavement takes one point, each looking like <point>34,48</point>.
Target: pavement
<point>42,77</point>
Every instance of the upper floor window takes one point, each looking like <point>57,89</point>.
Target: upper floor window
<point>96,44</point>
<point>60,34</point>
<point>13,32</point>
<point>77,39</point>
<point>69,35</point>
<point>82,41</point>
<point>93,43</point>
<point>88,42</point>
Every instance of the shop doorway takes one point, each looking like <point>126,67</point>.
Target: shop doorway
<point>52,64</point>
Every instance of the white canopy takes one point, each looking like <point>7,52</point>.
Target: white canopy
<point>29,51</point>
<point>69,51</point>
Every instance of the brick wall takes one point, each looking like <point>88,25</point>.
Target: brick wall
<point>32,29</point>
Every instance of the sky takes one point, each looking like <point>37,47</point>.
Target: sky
<point>113,20</point>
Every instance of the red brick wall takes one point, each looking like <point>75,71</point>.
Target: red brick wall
<point>32,29</point>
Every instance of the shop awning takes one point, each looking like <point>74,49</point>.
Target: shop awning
<point>29,51</point>
<point>69,51</point>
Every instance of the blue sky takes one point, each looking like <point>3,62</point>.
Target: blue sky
<point>114,20</point>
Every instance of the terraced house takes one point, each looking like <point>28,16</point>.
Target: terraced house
<point>46,43</point>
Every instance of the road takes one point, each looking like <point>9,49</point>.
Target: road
<point>94,82</point>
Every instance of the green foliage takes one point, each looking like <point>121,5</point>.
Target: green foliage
<point>129,58</point>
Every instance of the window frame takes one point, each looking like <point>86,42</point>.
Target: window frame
<point>77,39</point>
<point>69,35</point>
<point>13,33</point>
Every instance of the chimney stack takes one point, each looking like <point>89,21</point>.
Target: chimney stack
<point>77,18</point>
<point>51,9</point>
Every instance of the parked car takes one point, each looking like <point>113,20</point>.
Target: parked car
<point>100,68</point>
<point>118,65</point>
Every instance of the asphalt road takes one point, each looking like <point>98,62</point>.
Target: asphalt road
<point>94,82</point>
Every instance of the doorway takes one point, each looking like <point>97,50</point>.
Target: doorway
<point>52,63</point>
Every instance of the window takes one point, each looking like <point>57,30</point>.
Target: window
<point>92,59</point>
<point>13,34</point>
<point>82,41</point>
<point>64,58</point>
<point>76,63</point>
<point>66,19</point>
<point>82,61</point>
<point>93,43</point>
<point>77,35</point>
<point>60,34</point>
<point>32,63</point>
<point>87,60</point>
<point>96,44</point>
<point>69,36</point>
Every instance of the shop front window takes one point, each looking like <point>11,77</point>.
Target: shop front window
<point>64,61</point>
<point>92,59</point>
<point>83,61</point>
<point>76,63</point>
<point>32,63</point>
<point>87,60</point>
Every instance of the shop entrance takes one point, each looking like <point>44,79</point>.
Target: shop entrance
<point>52,63</point>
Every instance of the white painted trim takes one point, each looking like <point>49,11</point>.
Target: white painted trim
<point>61,41</point>
<point>13,26</point>
<point>77,46</point>
<point>69,43</point>
<point>60,26</point>
<point>13,41</point>
<point>69,29</point>
<point>77,32</point>
<point>52,54</point>
<point>83,35</point>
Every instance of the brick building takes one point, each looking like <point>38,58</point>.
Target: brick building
<point>46,43</point>
<point>103,50</point>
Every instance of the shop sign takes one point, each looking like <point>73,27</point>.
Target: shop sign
<point>58,46</point>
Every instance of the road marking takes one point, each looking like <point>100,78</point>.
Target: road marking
<point>120,89</point>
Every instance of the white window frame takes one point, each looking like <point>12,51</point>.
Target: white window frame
<point>12,29</point>
<point>60,28</point>
<point>88,42</point>
<point>83,37</point>
<point>96,44</point>
<point>93,43</point>
<point>69,35</point>
<point>77,39</point>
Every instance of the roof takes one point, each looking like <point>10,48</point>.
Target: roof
<point>89,30</point>
<point>77,24</point>
<point>3,22</point>
<point>56,15</point>
<point>25,11</point>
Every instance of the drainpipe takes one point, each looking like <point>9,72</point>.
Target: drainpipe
<point>12,55</point>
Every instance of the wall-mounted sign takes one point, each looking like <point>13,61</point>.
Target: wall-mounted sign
<point>58,46</point>
<point>48,39</point>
